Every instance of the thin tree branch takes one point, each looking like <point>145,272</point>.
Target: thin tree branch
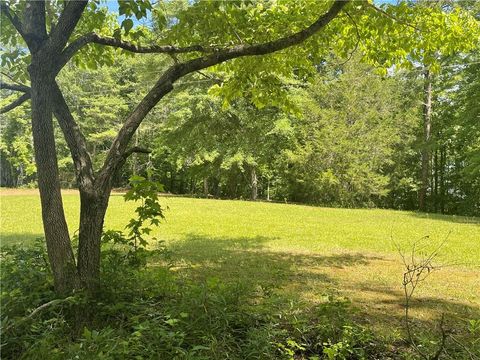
<point>165,84</point>
<point>40,309</point>
<point>467,350</point>
<point>136,149</point>
<point>358,39</point>
<point>443,332</point>
<point>15,103</point>
<point>47,305</point>
<point>10,78</point>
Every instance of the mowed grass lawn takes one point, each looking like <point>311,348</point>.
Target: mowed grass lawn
<point>301,252</point>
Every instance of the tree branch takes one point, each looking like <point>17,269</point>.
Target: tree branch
<point>5,9</point>
<point>136,149</point>
<point>14,87</point>
<point>38,310</point>
<point>15,103</point>
<point>358,40</point>
<point>34,25</point>
<point>93,38</point>
<point>74,138</point>
<point>165,84</point>
<point>66,24</point>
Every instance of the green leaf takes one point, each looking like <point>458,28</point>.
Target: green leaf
<point>127,24</point>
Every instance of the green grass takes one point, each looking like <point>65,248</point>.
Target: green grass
<point>281,227</point>
<point>298,250</point>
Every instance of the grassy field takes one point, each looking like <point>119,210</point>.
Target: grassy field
<point>302,252</point>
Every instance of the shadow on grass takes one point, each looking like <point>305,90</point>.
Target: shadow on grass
<point>305,277</point>
<point>447,218</point>
<point>248,258</point>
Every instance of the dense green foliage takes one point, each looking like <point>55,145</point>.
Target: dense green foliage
<point>351,138</point>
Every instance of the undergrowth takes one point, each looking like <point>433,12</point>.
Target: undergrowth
<point>146,311</point>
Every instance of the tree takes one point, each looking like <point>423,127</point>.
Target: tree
<point>204,34</point>
<point>455,142</point>
<point>354,124</point>
<point>49,53</point>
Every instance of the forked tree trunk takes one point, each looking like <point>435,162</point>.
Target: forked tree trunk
<point>427,127</point>
<point>57,238</point>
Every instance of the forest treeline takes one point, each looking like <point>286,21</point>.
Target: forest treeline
<point>349,137</point>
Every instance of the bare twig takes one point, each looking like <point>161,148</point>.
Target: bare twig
<point>417,270</point>
<point>470,354</point>
<point>38,310</point>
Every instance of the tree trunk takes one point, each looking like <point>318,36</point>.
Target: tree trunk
<point>427,127</point>
<point>49,53</point>
<point>442,179</point>
<point>57,238</point>
<point>20,176</point>
<point>268,189</point>
<point>205,187</point>
<point>93,206</point>
<point>435,178</point>
<point>134,155</point>
<point>6,171</point>
<point>254,184</point>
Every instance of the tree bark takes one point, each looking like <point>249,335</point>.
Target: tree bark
<point>427,128</point>
<point>7,173</point>
<point>93,207</point>
<point>60,252</point>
